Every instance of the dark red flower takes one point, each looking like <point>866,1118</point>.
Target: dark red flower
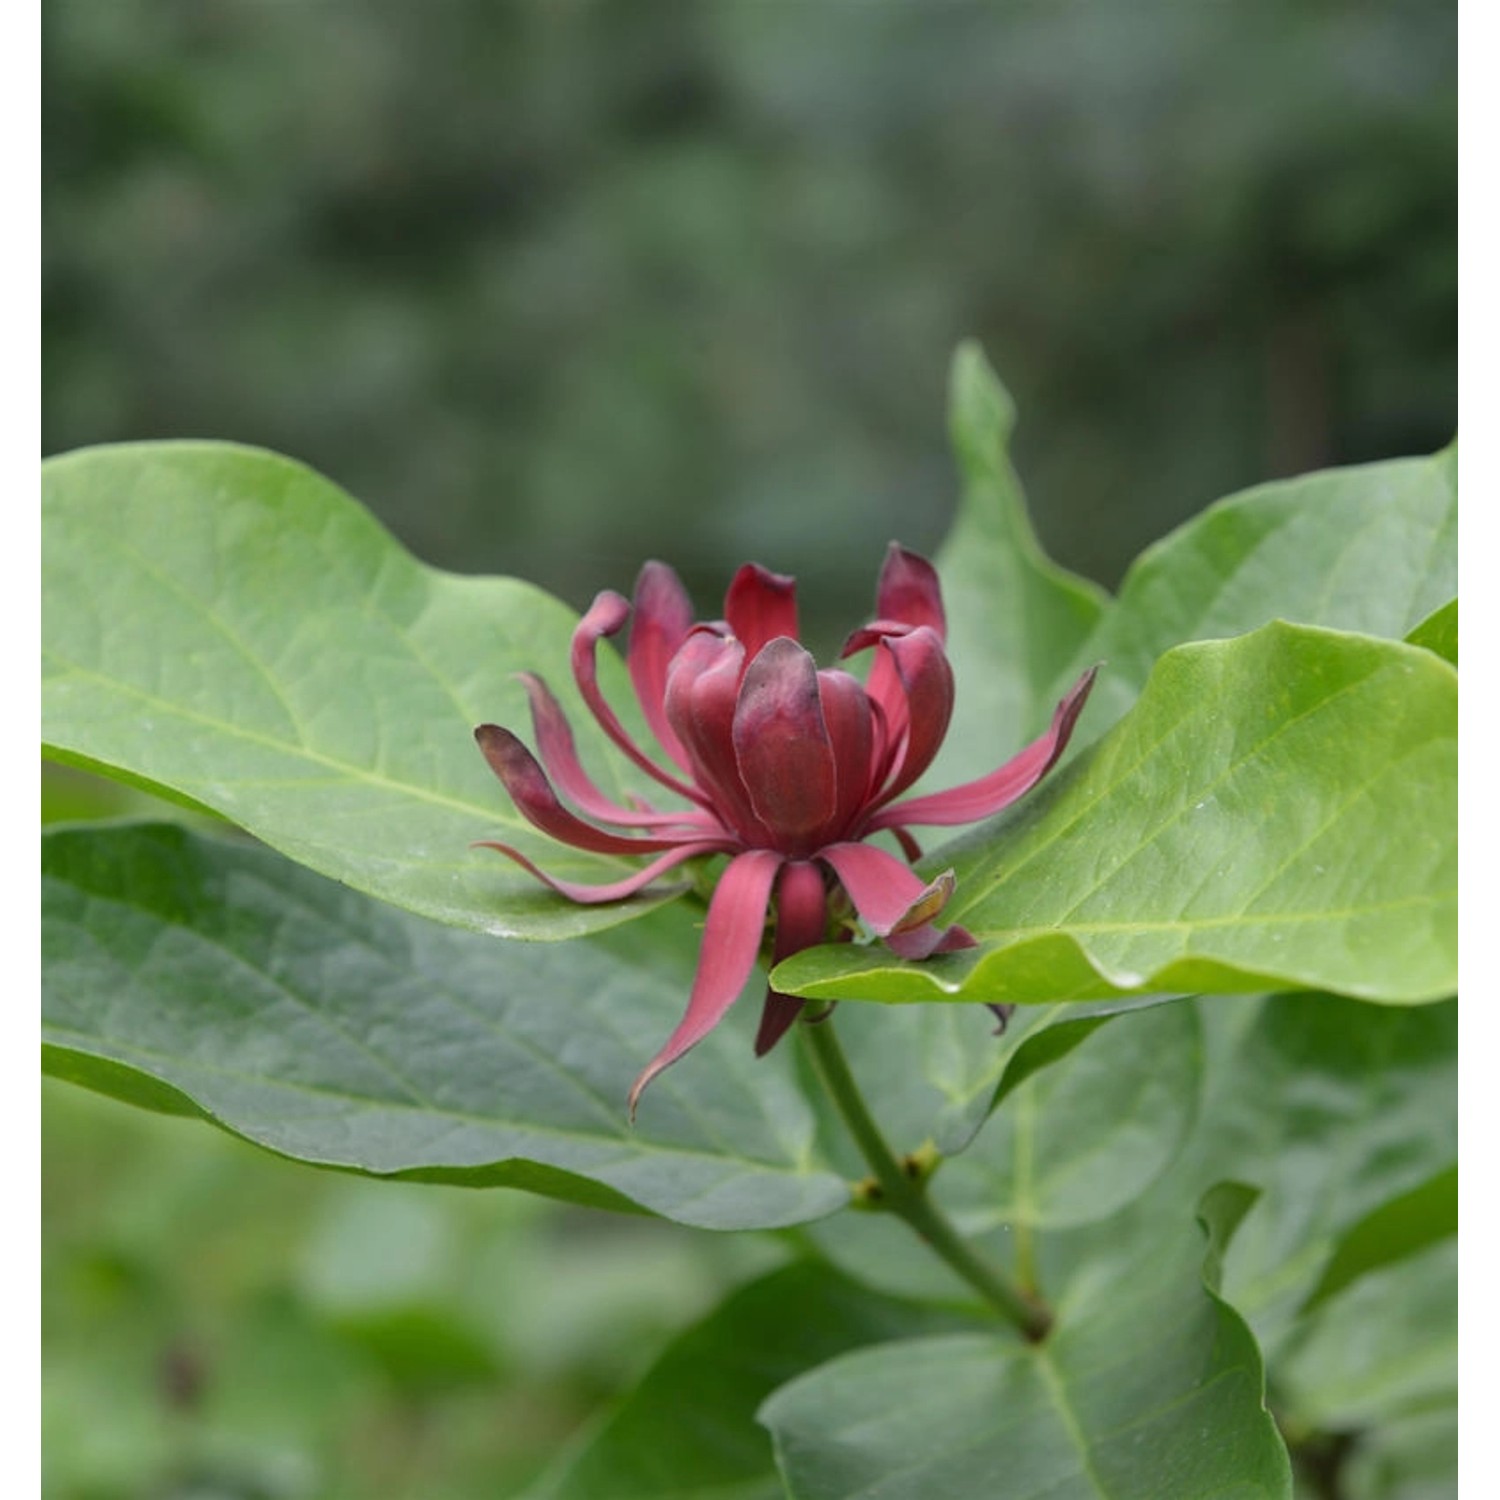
<point>786,768</point>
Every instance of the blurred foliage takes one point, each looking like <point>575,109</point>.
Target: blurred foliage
<point>558,286</point>
<point>220,1324</point>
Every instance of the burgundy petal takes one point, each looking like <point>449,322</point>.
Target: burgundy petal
<point>532,793</point>
<point>927,680</point>
<point>888,697</point>
<point>605,616</point>
<point>663,615</point>
<point>761,605</point>
<point>851,731</point>
<point>781,743</point>
<point>731,941</point>
<point>559,756</point>
<point>801,922</point>
<point>987,796</point>
<point>702,689</point>
<point>615,890</point>
<point>888,896</point>
<point>909,591</point>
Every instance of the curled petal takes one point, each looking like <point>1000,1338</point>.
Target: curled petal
<point>731,941</point>
<point>559,756</point>
<point>606,615</point>
<point>781,743</point>
<point>801,922</point>
<point>928,939</point>
<point>615,890</point>
<point>887,895</point>
<point>761,605</point>
<point>663,615</point>
<point>987,796</point>
<point>532,793</point>
<point>926,679</point>
<point>909,591</point>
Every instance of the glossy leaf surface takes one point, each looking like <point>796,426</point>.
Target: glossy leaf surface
<point>1277,812</point>
<point>229,628</point>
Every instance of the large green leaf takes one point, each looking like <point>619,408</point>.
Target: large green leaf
<point>687,1430</point>
<point>1015,619</point>
<point>1399,1227</point>
<point>1149,1388</point>
<point>1278,811</point>
<point>228,627</point>
<point>1091,1108</point>
<point>1372,549</point>
<point>185,973</point>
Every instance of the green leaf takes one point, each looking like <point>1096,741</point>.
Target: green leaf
<point>1410,1458</point>
<point>1372,549</point>
<point>331,1029</point>
<point>1386,1349</point>
<point>1333,1109</point>
<point>227,627</point>
<point>720,1371</point>
<point>1015,619</point>
<point>1096,1113</point>
<point>1398,1228</point>
<point>1078,1141</point>
<point>940,1070</point>
<point>1439,632</point>
<point>1278,811</point>
<point>1149,1388</point>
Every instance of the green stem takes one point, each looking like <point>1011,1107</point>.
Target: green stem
<point>906,1196</point>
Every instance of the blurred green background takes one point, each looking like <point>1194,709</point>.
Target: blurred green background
<point>557,287</point>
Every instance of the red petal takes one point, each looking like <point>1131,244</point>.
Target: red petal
<point>927,681</point>
<point>909,591</point>
<point>988,795</point>
<point>886,894</point>
<point>731,941</point>
<point>606,615</point>
<point>617,890</point>
<point>559,756</point>
<point>781,743</point>
<point>702,689</point>
<point>532,793</point>
<point>801,922</point>
<point>760,606</point>
<point>847,712</point>
<point>663,616</point>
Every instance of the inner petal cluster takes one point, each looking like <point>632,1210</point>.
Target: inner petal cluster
<point>785,767</point>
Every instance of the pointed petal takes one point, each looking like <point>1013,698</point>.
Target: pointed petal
<point>851,731</point>
<point>781,743</point>
<point>663,615</point>
<point>761,605</point>
<point>801,922</point>
<point>987,796</point>
<point>559,756</point>
<point>532,793</point>
<point>702,689</point>
<point>922,669</point>
<point>615,890</point>
<point>909,591</point>
<point>924,941</point>
<point>606,615</point>
<point>731,942</point>
<point>887,895</point>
